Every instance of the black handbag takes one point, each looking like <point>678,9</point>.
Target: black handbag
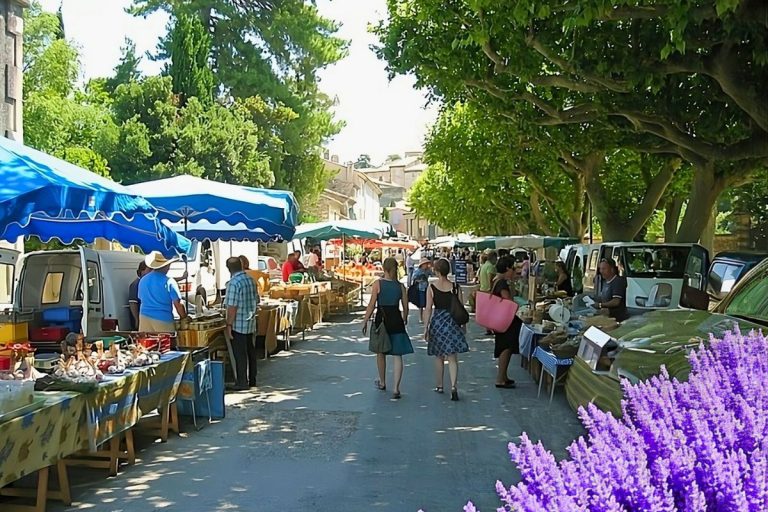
<point>379,342</point>
<point>458,311</point>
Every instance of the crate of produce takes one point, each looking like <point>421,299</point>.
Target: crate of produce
<point>13,332</point>
<point>194,338</point>
<point>56,333</point>
<point>162,342</point>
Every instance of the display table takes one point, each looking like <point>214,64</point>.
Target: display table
<point>555,366</point>
<point>41,438</point>
<point>274,322</point>
<point>530,334</point>
<point>297,291</point>
<point>69,428</point>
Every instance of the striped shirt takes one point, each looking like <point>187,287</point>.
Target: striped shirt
<point>242,294</point>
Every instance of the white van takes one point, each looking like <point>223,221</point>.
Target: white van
<point>658,275</point>
<point>206,268</point>
<point>95,282</point>
<point>583,252</point>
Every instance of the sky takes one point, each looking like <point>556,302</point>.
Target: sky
<point>381,117</point>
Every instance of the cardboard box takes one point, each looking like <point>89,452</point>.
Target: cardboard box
<point>592,345</point>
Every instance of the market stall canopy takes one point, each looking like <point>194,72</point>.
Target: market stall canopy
<point>193,199</point>
<point>343,228</point>
<point>378,244</point>
<point>533,242</point>
<point>47,197</point>
<point>204,230</point>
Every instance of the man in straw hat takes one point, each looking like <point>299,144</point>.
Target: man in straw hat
<point>159,295</point>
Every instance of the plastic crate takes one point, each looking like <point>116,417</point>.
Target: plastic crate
<point>11,333</point>
<point>55,333</point>
<point>62,315</point>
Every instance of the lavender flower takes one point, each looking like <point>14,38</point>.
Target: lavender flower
<point>699,445</point>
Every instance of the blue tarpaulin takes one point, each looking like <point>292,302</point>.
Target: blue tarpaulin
<point>188,198</point>
<point>44,196</point>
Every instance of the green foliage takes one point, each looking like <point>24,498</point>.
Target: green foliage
<point>668,77</point>
<point>127,70</point>
<point>363,161</point>
<point>273,51</point>
<point>189,50</point>
<point>58,119</point>
<point>158,137</point>
<point>50,62</point>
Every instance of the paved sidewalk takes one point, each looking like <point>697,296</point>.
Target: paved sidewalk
<point>317,435</point>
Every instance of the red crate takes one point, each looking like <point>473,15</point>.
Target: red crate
<point>159,342</point>
<point>48,333</point>
<point>5,363</point>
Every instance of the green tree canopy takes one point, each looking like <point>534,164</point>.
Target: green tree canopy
<point>273,50</point>
<point>158,137</point>
<point>675,77</point>
<point>189,50</point>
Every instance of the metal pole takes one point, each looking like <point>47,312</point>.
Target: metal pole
<point>186,269</point>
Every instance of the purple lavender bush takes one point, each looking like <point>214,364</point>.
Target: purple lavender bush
<point>700,445</point>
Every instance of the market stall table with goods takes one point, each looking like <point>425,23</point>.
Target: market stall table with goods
<point>87,410</point>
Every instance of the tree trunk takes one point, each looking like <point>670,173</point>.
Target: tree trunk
<point>705,190</point>
<point>708,235</point>
<point>672,211</point>
<point>613,228</point>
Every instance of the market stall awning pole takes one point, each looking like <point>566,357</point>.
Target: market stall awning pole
<point>343,265</point>
<point>186,271</point>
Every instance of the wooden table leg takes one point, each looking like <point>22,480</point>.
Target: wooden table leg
<point>174,424</point>
<point>130,447</point>
<point>114,455</point>
<point>61,471</point>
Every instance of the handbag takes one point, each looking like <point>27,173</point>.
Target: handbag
<point>379,342</point>
<point>494,313</point>
<point>413,294</point>
<point>458,311</point>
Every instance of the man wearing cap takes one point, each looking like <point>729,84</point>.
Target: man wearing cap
<point>133,295</point>
<point>242,302</point>
<point>159,295</point>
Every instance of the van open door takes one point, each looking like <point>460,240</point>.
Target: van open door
<point>8,260</point>
<point>92,287</point>
<point>694,294</point>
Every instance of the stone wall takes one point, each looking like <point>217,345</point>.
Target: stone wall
<point>11,30</point>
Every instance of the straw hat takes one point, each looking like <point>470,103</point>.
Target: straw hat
<point>424,261</point>
<point>155,260</point>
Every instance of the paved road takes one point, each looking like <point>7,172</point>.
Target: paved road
<point>317,435</point>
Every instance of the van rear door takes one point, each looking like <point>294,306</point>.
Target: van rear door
<point>93,296</point>
<point>8,260</point>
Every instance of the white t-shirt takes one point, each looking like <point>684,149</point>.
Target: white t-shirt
<point>312,260</point>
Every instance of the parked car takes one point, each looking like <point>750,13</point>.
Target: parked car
<point>727,269</point>
<point>665,337</point>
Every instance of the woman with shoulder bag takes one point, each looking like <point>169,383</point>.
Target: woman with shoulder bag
<point>389,294</point>
<point>507,342</point>
<point>446,339</point>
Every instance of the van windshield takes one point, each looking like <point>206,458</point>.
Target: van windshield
<point>650,261</point>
